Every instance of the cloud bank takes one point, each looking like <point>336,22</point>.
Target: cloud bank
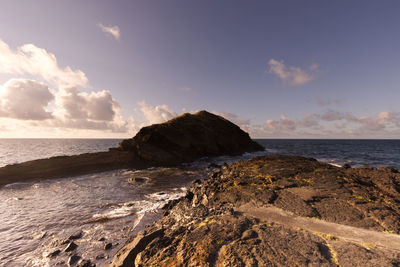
<point>55,101</point>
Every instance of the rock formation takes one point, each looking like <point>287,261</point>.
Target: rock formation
<point>189,137</point>
<point>277,211</point>
<point>182,139</point>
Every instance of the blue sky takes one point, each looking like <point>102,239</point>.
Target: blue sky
<point>279,69</point>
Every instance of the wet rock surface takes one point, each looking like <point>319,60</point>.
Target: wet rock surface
<point>210,227</point>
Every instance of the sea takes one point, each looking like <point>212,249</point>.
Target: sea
<point>108,207</point>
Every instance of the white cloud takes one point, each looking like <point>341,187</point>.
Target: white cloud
<point>22,99</point>
<point>32,60</point>
<point>157,114</point>
<point>98,106</point>
<point>283,124</point>
<point>113,30</point>
<point>25,100</point>
<point>291,76</point>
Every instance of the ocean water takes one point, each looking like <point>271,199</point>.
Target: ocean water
<point>20,150</point>
<point>338,152</point>
<point>35,217</point>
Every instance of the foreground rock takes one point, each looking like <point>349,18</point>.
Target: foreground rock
<point>277,211</point>
<point>182,139</point>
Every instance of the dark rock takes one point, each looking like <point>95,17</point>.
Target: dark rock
<point>189,137</point>
<point>66,241</point>
<point>138,179</point>
<point>347,166</point>
<point>127,255</point>
<point>74,259</point>
<point>76,235</point>
<point>71,246</point>
<point>249,234</point>
<point>108,246</point>
<point>54,253</point>
<point>66,166</point>
<point>86,263</point>
<point>198,181</point>
<point>101,256</point>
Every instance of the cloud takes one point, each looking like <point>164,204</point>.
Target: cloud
<point>113,30</point>
<point>157,114</point>
<point>98,106</point>
<point>94,111</point>
<point>332,115</point>
<point>325,102</point>
<point>309,120</point>
<point>186,89</point>
<point>68,108</point>
<point>292,76</point>
<point>32,60</point>
<point>283,124</point>
<point>380,121</point>
<point>25,100</point>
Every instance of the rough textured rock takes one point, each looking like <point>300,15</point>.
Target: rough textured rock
<point>70,247</point>
<point>189,137</point>
<point>66,166</point>
<point>208,228</point>
<point>183,139</point>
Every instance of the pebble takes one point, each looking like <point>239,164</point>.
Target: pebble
<point>54,253</point>
<point>73,260</point>
<point>248,234</point>
<point>71,246</point>
<point>76,235</point>
<point>108,246</point>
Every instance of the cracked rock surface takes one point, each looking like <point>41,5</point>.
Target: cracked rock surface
<point>277,211</point>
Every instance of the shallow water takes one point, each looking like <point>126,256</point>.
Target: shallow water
<point>35,216</point>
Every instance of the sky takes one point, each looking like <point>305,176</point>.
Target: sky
<point>278,69</point>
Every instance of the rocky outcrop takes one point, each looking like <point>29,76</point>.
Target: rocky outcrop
<point>182,139</point>
<point>66,166</point>
<point>277,211</point>
<point>189,137</point>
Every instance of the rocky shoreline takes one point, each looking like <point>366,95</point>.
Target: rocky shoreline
<point>180,140</point>
<point>277,211</point>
